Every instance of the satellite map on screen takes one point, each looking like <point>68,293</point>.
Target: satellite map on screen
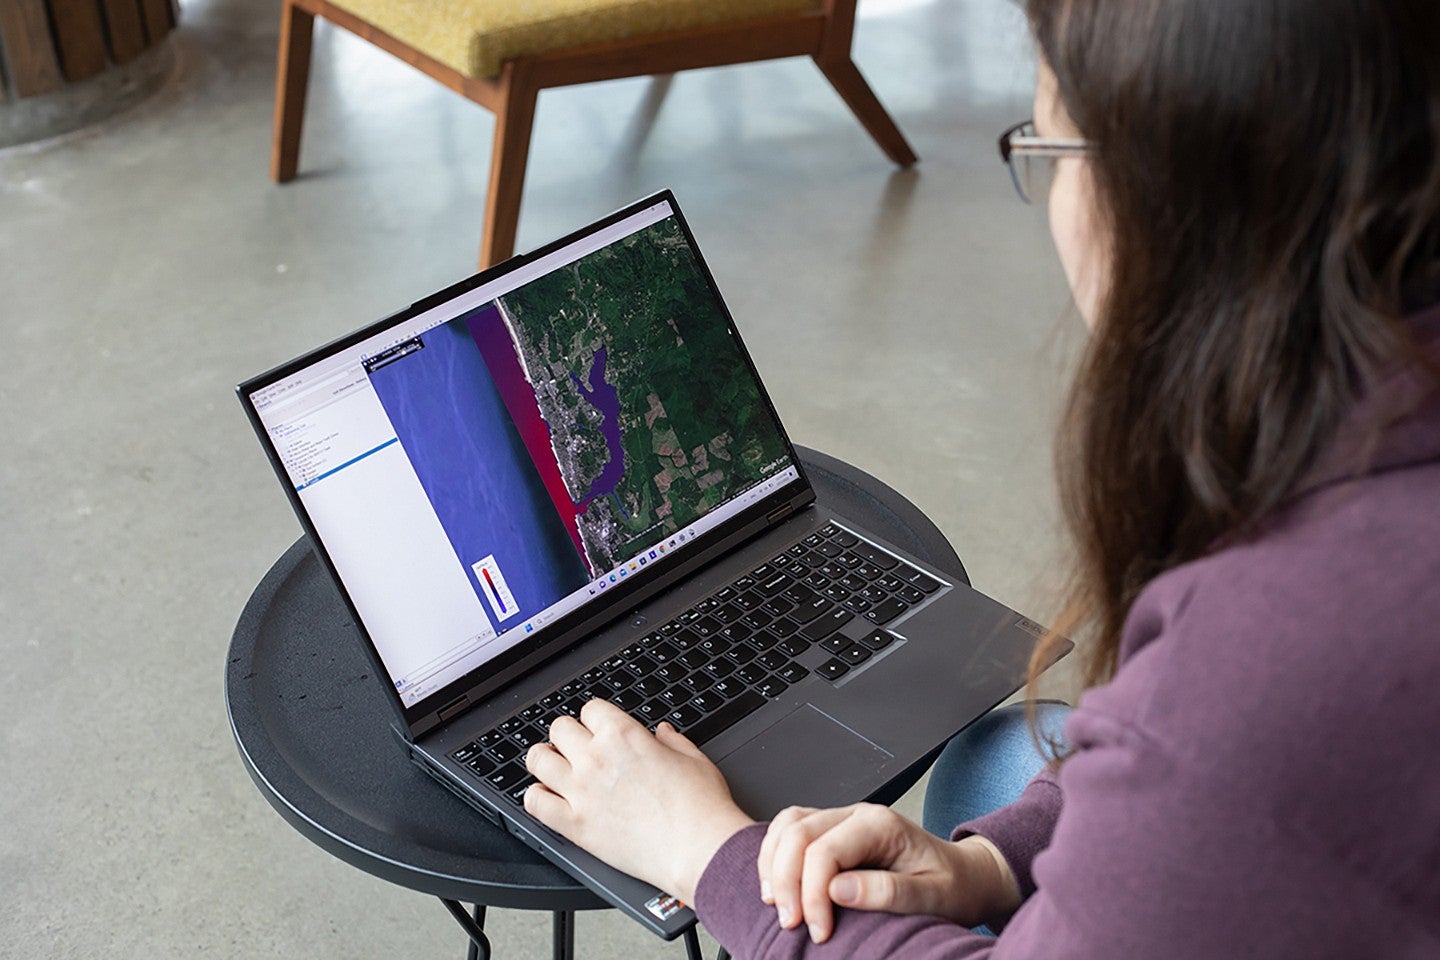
<point>653,415</point>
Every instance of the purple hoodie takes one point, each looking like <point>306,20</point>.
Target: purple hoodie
<point>1262,776</point>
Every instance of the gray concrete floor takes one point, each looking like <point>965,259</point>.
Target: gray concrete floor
<point>914,323</point>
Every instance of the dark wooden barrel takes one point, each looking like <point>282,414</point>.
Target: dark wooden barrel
<point>48,47</point>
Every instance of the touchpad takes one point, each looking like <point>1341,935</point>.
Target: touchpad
<point>806,758</point>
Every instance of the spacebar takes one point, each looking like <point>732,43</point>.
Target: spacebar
<point>726,717</point>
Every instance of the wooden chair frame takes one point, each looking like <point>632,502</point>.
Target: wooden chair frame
<point>824,35</point>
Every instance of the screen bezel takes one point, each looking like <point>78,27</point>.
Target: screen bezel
<point>564,634</point>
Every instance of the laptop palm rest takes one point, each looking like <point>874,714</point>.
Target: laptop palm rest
<point>818,760</point>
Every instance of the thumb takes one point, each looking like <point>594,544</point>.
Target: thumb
<point>876,890</point>
<point>677,741</point>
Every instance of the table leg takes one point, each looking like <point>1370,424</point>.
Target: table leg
<point>477,912</point>
<point>564,938</point>
<point>473,927</point>
<point>692,947</point>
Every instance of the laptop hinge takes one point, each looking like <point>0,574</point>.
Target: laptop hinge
<point>780,513</point>
<point>454,709</point>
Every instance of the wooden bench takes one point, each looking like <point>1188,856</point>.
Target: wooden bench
<point>501,54</point>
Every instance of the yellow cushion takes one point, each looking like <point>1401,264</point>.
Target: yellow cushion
<point>476,36</point>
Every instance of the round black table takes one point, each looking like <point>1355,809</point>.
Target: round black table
<point>318,738</point>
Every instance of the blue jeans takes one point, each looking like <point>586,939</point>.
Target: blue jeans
<point>987,765</point>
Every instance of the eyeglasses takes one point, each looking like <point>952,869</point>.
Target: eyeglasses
<point>1031,158</point>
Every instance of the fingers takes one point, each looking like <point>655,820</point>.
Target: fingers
<point>854,840</point>
<point>598,714</point>
<point>765,861</point>
<point>548,764</point>
<point>811,856</point>
<point>798,871</point>
<point>603,777</point>
<point>866,890</point>
<point>548,807</point>
<point>569,734</point>
<point>572,744</point>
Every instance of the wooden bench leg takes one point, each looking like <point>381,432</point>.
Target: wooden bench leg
<point>847,80</point>
<point>292,75</point>
<point>508,156</point>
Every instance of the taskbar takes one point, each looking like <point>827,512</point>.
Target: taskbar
<point>461,660</point>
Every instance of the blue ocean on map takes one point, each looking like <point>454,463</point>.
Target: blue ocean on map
<point>476,471</point>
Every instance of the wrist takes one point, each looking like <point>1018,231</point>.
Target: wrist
<point>997,891</point>
<point>708,835</point>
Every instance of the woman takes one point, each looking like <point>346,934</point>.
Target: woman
<point>1246,202</point>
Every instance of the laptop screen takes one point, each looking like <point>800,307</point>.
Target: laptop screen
<point>483,467</point>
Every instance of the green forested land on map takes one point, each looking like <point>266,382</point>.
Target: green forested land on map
<point>648,302</point>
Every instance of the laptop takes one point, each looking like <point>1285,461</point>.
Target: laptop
<point>561,479</point>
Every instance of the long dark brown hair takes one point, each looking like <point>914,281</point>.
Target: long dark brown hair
<point>1266,174</point>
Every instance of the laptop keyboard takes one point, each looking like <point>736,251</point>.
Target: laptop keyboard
<point>729,654</point>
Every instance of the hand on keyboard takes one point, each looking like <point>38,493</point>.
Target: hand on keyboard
<point>650,804</point>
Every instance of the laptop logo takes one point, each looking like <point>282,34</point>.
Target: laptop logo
<point>1031,627</point>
